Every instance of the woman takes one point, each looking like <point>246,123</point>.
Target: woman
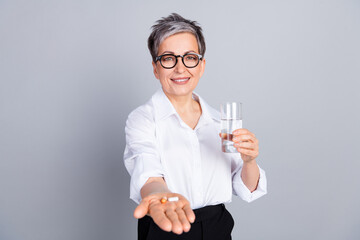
<point>179,176</point>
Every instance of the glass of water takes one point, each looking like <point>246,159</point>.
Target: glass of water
<point>231,119</point>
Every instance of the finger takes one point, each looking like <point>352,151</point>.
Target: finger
<point>173,217</point>
<point>226,136</point>
<point>223,135</point>
<point>244,138</point>
<point>247,152</point>
<point>189,213</point>
<point>182,218</point>
<point>160,218</point>
<point>142,209</point>
<point>246,145</point>
<point>241,131</point>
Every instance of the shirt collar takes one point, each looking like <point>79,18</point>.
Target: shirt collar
<point>162,105</point>
<point>164,108</point>
<point>208,112</point>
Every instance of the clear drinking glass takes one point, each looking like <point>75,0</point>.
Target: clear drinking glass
<point>231,119</point>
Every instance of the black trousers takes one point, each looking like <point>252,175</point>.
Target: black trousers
<point>211,223</point>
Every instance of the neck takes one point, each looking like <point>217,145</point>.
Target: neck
<point>183,104</point>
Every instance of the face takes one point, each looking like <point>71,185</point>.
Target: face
<point>179,81</point>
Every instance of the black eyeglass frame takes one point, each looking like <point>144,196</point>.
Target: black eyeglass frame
<point>158,58</point>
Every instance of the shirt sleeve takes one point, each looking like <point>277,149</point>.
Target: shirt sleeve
<point>240,189</point>
<point>141,156</point>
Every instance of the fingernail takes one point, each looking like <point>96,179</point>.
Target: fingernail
<point>235,139</point>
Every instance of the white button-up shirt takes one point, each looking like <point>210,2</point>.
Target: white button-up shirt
<point>160,144</point>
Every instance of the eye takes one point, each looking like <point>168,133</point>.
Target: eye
<point>167,59</point>
<point>191,57</point>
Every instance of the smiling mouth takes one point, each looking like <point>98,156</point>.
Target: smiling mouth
<point>180,80</point>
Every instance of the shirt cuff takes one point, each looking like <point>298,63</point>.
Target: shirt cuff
<point>242,191</point>
<point>146,166</point>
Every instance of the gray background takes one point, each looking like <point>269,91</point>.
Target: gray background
<point>71,72</point>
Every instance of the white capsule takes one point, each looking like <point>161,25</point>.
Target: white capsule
<point>173,199</point>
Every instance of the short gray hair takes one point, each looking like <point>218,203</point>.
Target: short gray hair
<point>171,25</point>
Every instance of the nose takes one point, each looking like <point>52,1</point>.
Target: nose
<point>180,67</point>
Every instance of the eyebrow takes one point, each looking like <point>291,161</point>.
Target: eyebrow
<point>169,52</point>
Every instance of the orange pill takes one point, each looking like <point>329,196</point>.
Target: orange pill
<point>163,200</point>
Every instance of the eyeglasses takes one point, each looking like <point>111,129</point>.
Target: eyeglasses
<point>190,60</point>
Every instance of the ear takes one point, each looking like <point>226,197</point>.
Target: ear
<point>155,71</point>
<point>202,65</point>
